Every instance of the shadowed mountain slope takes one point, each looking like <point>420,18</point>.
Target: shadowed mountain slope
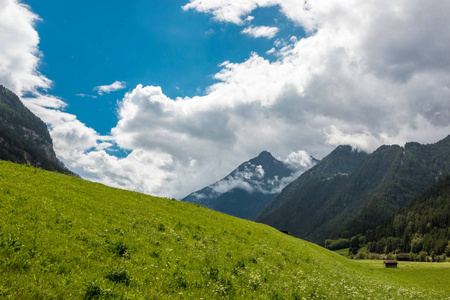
<point>341,160</point>
<point>24,138</point>
<point>351,203</point>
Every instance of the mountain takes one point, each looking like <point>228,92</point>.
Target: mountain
<point>24,138</point>
<point>346,204</point>
<point>248,189</point>
<point>341,160</point>
<point>63,237</point>
<point>423,225</point>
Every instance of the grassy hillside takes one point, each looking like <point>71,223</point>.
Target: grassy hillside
<point>62,238</point>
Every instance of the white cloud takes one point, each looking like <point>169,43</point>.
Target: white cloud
<point>117,85</point>
<point>306,13</point>
<point>249,19</point>
<point>19,63</point>
<point>369,73</point>
<point>19,53</point>
<point>224,186</point>
<point>86,96</point>
<point>261,31</point>
<point>225,11</point>
<point>339,85</point>
<point>298,159</point>
<point>272,50</point>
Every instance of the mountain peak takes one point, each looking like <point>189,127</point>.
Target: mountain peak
<point>344,149</point>
<point>343,159</point>
<point>264,158</point>
<point>246,190</point>
<point>265,154</point>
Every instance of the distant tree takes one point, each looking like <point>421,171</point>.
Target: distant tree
<point>354,245</point>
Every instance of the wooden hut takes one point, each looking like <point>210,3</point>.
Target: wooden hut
<point>403,257</point>
<point>390,263</point>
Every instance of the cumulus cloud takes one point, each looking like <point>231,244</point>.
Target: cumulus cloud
<point>298,159</point>
<point>106,89</point>
<point>19,53</point>
<point>345,83</point>
<point>235,11</point>
<point>368,73</point>
<point>228,11</point>
<point>261,31</point>
<point>19,63</point>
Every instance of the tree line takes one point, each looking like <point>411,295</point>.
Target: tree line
<point>421,228</point>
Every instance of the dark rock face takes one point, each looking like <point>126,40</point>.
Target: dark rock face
<point>24,138</point>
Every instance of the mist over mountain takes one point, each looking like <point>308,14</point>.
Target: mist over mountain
<point>24,138</point>
<point>319,205</point>
<point>249,188</point>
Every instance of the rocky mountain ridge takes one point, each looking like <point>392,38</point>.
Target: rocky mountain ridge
<point>24,138</point>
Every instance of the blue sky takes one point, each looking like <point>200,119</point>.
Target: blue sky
<point>167,97</point>
<point>91,43</point>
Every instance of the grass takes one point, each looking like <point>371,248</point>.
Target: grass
<point>422,274</point>
<point>362,249</point>
<point>343,252</point>
<point>65,238</point>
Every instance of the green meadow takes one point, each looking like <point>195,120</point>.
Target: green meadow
<point>65,238</point>
<point>343,252</point>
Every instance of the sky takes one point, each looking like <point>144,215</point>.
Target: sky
<point>167,97</point>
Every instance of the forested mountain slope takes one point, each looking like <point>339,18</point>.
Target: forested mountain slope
<point>348,204</point>
<point>341,160</point>
<point>423,225</point>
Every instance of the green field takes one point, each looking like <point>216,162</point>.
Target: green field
<point>62,237</point>
<point>343,252</point>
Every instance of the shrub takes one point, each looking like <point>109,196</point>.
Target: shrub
<point>447,250</point>
<point>180,280</point>
<point>93,291</point>
<point>337,244</point>
<point>121,249</point>
<point>119,276</point>
<point>361,255</point>
<point>213,273</point>
<point>422,256</point>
